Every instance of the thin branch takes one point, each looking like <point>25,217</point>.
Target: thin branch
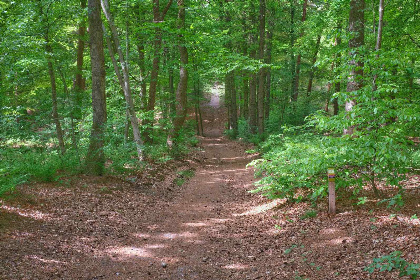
<point>166,10</point>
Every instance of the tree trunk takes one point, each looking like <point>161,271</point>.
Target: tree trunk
<point>95,159</point>
<point>141,55</point>
<point>268,57</point>
<point>72,121</point>
<point>299,58</point>
<point>181,91</point>
<point>126,80</point>
<point>262,72</point>
<point>253,103</point>
<point>312,71</point>
<point>56,118</point>
<point>142,68</point>
<point>252,107</point>
<point>356,29</point>
<point>79,83</point>
<point>171,81</point>
<point>245,89</point>
<point>337,85</point>
<point>230,93</point>
<point>292,53</point>
<point>379,39</point>
<point>157,45</point>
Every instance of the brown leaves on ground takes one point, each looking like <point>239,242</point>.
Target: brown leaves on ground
<point>211,227</point>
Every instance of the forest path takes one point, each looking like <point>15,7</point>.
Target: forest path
<point>195,236</point>
<point>147,227</point>
<point>106,228</point>
<point>199,242</point>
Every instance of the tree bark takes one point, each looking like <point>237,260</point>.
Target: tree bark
<point>379,38</point>
<point>49,57</point>
<point>126,81</point>
<point>356,29</point>
<point>252,108</point>
<point>79,82</point>
<point>262,72</point>
<point>253,103</point>
<point>231,95</point>
<point>95,159</point>
<point>299,58</point>
<point>56,117</point>
<point>157,45</point>
<point>337,85</point>
<point>181,91</point>
<point>292,52</point>
<point>312,71</point>
<point>268,57</point>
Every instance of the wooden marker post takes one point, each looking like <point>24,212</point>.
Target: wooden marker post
<point>331,191</point>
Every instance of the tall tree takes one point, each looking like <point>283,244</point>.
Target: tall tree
<point>357,36</point>
<point>95,159</point>
<point>379,38</point>
<point>295,85</point>
<point>252,108</point>
<point>158,17</point>
<point>46,25</point>
<point>262,73</point>
<point>126,78</point>
<point>79,82</point>
<point>181,91</point>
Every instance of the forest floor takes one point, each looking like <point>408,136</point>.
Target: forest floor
<point>151,227</point>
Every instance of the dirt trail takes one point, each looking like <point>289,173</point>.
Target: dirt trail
<point>209,228</point>
<point>105,229</point>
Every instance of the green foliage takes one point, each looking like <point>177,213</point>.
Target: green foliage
<point>183,176</point>
<point>394,261</point>
<point>362,200</point>
<point>395,201</point>
<point>295,162</point>
<point>309,214</point>
<point>18,165</point>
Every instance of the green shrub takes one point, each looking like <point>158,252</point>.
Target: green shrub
<point>19,165</point>
<point>394,261</point>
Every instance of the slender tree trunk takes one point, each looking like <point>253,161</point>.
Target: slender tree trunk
<point>142,68</point>
<point>95,159</point>
<point>72,120</point>
<point>171,81</point>
<point>245,90</point>
<point>157,45</point>
<point>337,85</point>
<point>155,70</point>
<point>356,29</point>
<point>292,52</point>
<point>253,77</point>
<point>262,72</point>
<point>379,38</point>
<point>141,57</point>
<point>126,80</point>
<point>181,91</point>
<point>79,82</point>
<point>299,58</point>
<point>253,103</point>
<point>312,71</point>
<point>268,57</point>
<point>56,118</point>
<point>230,93</point>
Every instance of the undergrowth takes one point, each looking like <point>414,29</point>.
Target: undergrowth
<point>394,261</point>
<point>295,162</point>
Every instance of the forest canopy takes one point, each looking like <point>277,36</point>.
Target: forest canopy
<point>108,86</point>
